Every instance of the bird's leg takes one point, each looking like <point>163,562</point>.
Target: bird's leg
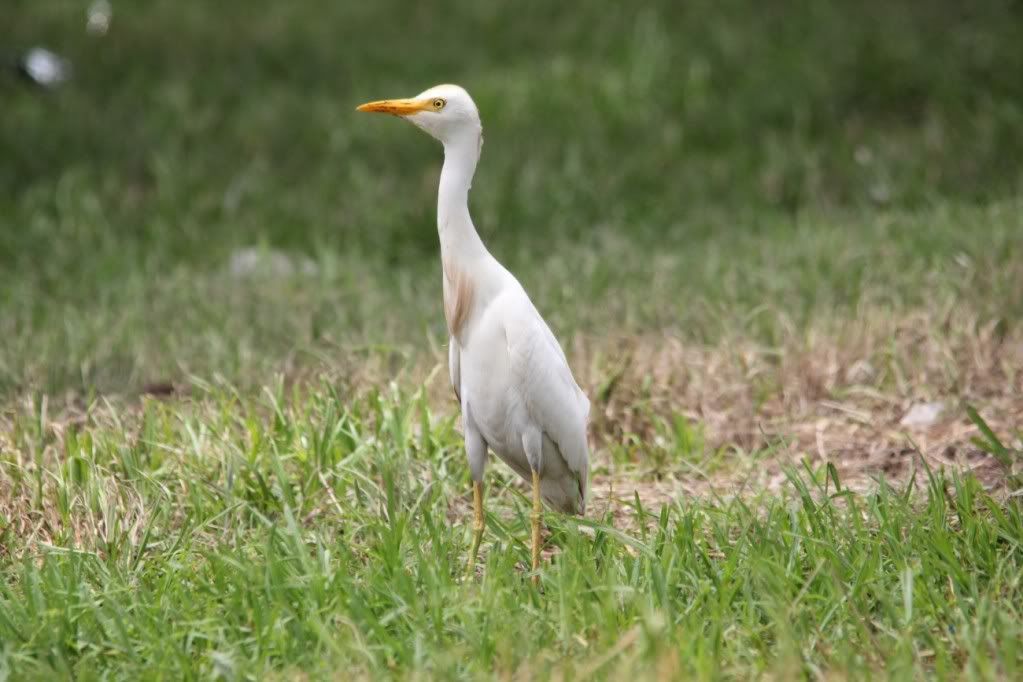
<point>477,525</point>
<point>537,509</point>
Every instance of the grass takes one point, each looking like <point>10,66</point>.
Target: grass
<point>320,533</point>
<point>691,153</point>
<point>762,234</point>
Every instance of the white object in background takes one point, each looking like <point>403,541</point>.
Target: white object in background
<point>44,67</point>
<point>922,415</point>
<point>97,17</point>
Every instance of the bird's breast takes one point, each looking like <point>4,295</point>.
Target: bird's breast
<point>459,297</point>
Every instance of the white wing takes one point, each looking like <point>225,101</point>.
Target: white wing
<point>547,388</point>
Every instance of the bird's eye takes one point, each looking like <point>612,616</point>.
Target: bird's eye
<point>438,103</point>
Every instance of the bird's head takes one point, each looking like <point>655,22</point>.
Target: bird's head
<point>444,111</point>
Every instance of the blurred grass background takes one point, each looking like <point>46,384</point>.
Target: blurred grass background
<point>657,165</point>
<point>814,207</point>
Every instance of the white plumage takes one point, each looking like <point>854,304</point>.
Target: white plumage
<point>517,393</point>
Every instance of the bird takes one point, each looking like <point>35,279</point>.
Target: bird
<point>518,397</point>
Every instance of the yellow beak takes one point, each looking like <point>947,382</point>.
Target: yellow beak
<point>397,107</point>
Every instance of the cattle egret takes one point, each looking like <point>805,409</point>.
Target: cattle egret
<point>517,393</point>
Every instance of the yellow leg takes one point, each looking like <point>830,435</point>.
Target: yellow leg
<point>536,527</point>
<point>477,526</point>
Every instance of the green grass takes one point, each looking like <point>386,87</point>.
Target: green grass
<point>719,157</point>
<point>787,191</point>
<point>321,533</point>
<point>752,280</point>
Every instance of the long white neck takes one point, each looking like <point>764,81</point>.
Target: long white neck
<point>458,237</point>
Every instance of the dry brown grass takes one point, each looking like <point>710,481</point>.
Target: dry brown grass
<point>833,394</point>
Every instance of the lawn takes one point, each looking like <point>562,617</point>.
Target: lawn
<point>763,234</point>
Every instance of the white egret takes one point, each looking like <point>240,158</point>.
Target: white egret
<point>517,393</point>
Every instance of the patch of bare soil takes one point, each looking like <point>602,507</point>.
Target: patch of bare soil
<point>881,398</point>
